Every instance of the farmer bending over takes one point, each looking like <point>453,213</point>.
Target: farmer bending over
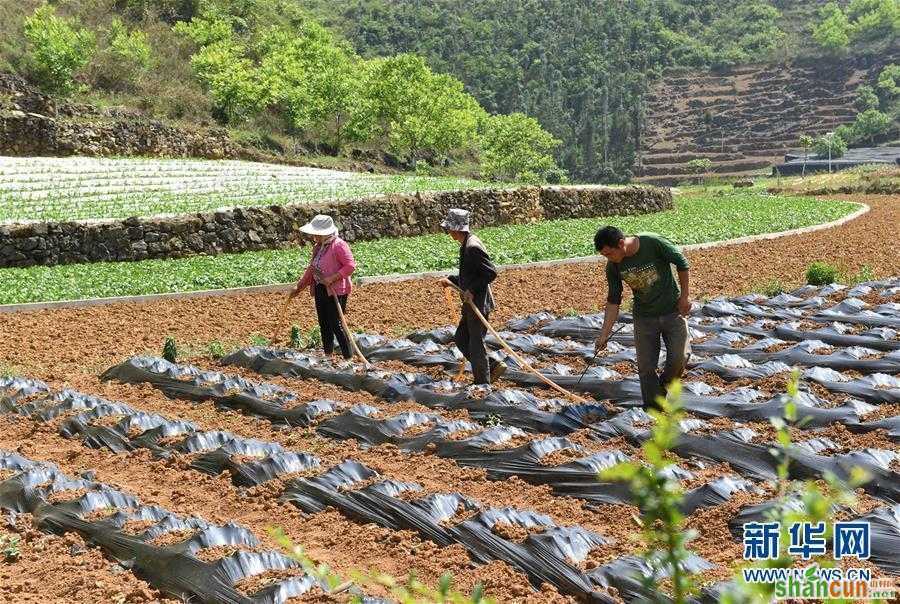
<point>476,272</point>
<point>328,279</point>
<point>643,262</point>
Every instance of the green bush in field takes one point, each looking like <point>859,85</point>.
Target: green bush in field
<point>658,496</point>
<point>834,141</point>
<point>57,51</point>
<point>821,273</point>
<point>170,350</point>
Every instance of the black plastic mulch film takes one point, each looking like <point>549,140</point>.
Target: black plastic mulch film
<point>174,568</point>
<point>737,331</point>
<point>550,556</point>
<point>737,335</point>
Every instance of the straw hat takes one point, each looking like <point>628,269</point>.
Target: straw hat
<point>319,225</point>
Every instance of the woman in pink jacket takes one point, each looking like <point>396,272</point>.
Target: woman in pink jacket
<point>328,277</point>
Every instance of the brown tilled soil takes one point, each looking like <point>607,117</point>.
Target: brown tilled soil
<point>59,569</point>
<point>70,347</point>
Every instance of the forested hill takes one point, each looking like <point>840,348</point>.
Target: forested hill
<point>582,67</point>
<point>505,89</point>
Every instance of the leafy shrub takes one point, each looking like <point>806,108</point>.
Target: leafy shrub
<point>658,496</point>
<point>9,547</point>
<point>170,350</point>
<point>215,349</point>
<point>821,273</point>
<point>700,165</point>
<point>57,51</point>
<point>772,288</point>
<point>133,47</point>
<point>834,143</point>
<point>258,340</point>
<point>516,147</point>
<point>863,275</point>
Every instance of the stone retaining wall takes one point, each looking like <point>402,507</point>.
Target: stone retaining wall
<point>272,227</point>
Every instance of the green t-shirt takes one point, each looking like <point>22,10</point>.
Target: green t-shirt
<point>649,274</point>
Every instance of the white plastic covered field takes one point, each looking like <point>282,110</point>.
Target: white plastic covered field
<point>51,188</point>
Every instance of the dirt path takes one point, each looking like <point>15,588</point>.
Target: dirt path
<point>54,343</point>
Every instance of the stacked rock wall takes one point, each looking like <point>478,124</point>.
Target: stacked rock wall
<point>273,227</point>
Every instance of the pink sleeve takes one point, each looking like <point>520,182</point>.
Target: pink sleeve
<point>345,259</point>
<point>306,279</point>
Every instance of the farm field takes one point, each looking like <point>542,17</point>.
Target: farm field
<point>502,481</point>
<point>698,217</point>
<point>73,188</point>
<point>187,453</point>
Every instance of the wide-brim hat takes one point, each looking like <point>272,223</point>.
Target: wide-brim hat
<point>456,220</point>
<point>319,225</point>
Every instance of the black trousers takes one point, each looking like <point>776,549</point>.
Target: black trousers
<point>330,321</point>
<point>469,338</point>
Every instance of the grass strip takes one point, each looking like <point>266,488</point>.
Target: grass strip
<point>695,219</point>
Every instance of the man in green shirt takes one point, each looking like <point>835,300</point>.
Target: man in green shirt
<point>644,262</point>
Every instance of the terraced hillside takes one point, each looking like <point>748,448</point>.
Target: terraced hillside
<point>746,118</point>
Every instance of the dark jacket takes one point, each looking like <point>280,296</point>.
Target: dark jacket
<point>476,272</point>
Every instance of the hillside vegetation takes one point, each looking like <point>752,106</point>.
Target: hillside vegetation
<point>506,89</point>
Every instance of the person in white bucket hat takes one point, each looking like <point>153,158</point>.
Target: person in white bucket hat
<point>328,277</point>
<point>476,272</point>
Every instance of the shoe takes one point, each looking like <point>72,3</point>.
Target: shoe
<point>497,370</point>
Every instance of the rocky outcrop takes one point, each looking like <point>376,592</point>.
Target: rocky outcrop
<point>273,227</point>
<point>31,123</point>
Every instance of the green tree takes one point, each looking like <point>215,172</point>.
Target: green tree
<point>874,19</point>
<point>871,124</point>
<point>866,98</point>
<point>833,32</point>
<point>416,110</point>
<point>749,32</point>
<point>699,166</point>
<point>515,147</point>
<point>806,142</point>
<point>889,81</point>
<point>57,51</point>
<point>220,63</point>
<point>314,79</point>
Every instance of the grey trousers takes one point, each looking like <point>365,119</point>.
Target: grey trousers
<point>469,338</point>
<point>648,331</point>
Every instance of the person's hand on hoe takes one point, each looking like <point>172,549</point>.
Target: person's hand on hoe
<point>445,283</point>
